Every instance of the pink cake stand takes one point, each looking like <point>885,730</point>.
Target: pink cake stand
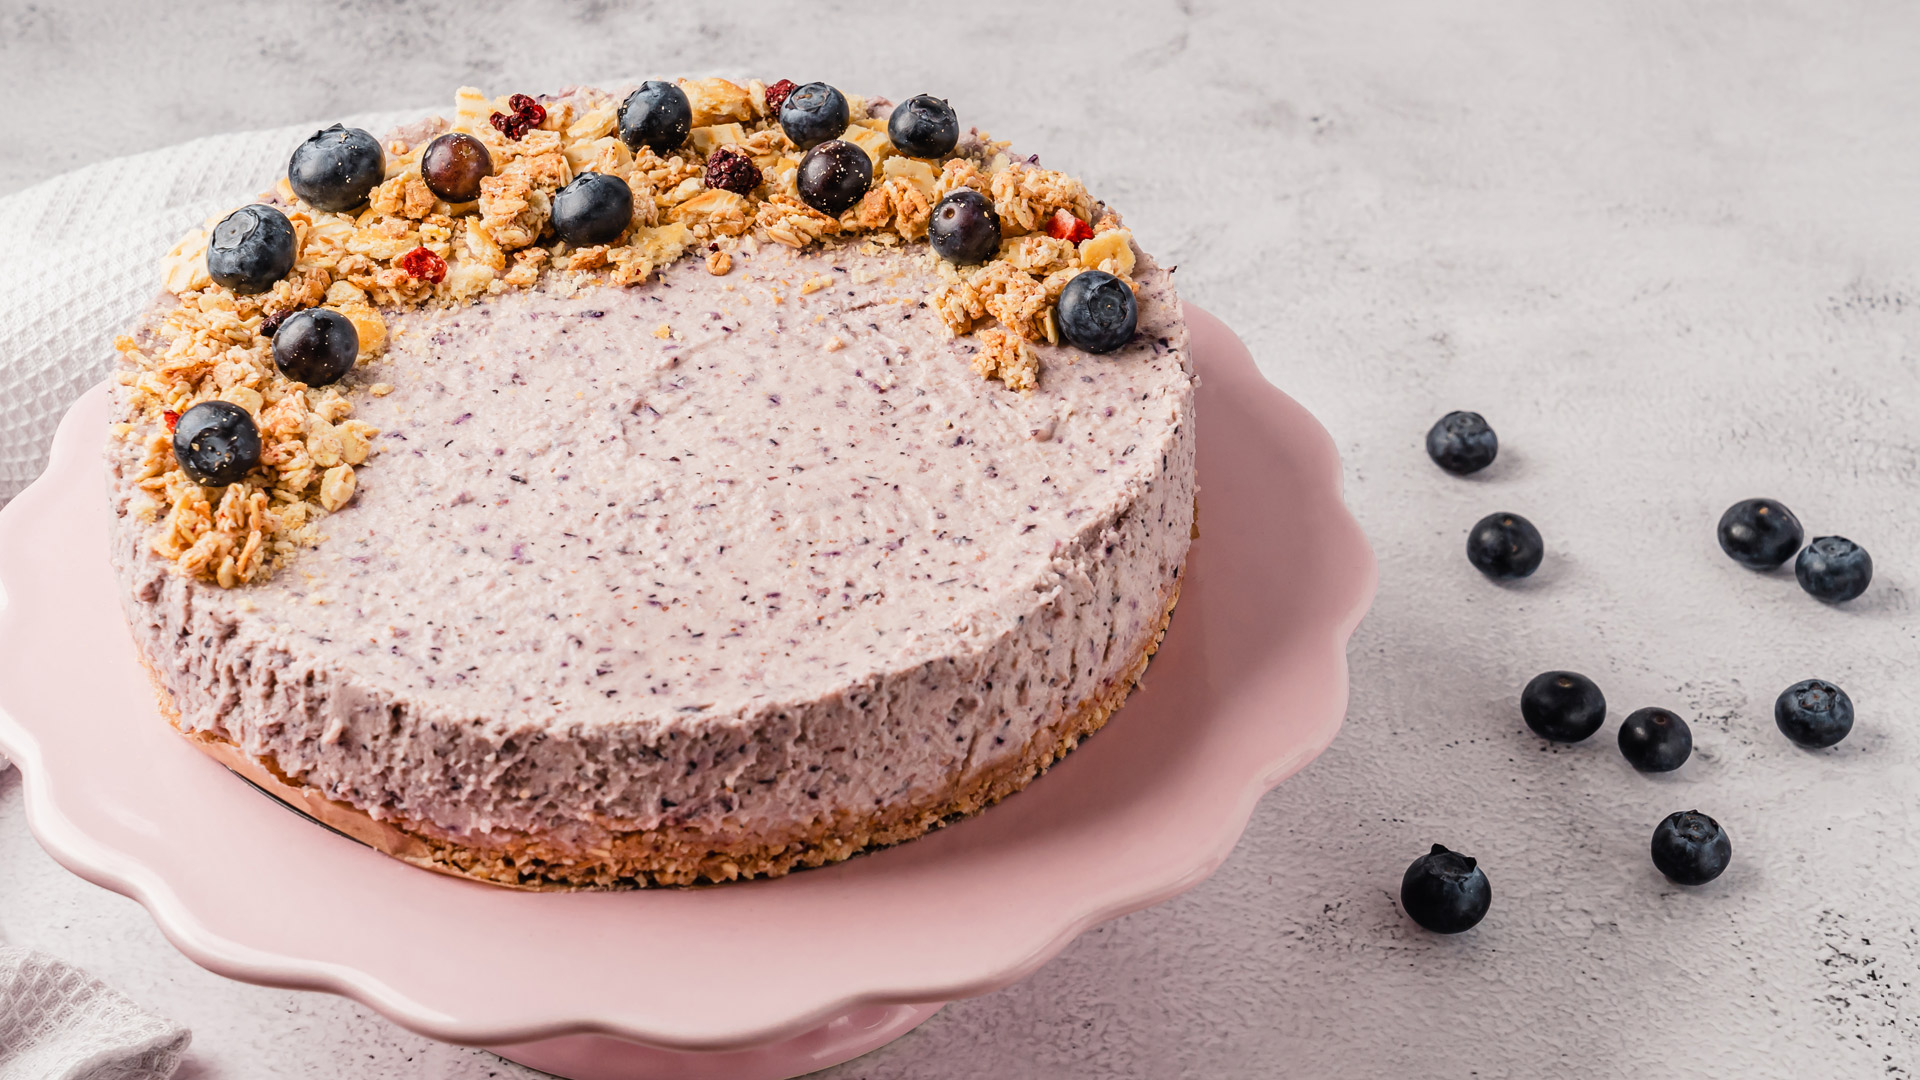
<point>759,980</point>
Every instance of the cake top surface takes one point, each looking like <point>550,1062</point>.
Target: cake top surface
<point>754,446</point>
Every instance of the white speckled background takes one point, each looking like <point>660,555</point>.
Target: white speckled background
<point>1668,249</point>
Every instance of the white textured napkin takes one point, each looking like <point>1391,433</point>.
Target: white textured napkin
<point>60,1023</point>
<point>81,258</point>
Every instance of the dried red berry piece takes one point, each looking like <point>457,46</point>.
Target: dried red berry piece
<point>777,95</point>
<point>1064,226</point>
<point>171,418</point>
<point>270,325</point>
<point>424,264</point>
<point>528,109</point>
<point>527,114</point>
<point>730,170</point>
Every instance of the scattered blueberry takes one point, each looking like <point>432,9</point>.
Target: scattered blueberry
<point>453,166</point>
<point>1655,740</point>
<point>252,248</point>
<point>964,227</point>
<point>1445,891</point>
<point>1097,312</point>
<point>1462,443</point>
<point>216,442</point>
<point>315,346</point>
<point>1760,534</point>
<point>1834,569</point>
<point>812,114</point>
<point>594,209</point>
<point>657,116</point>
<point>1814,713</point>
<point>336,168</point>
<point>1691,848</point>
<point>833,175</point>
<point>923,126</point>
<point>1504,546</point>
<point>1564,706</point>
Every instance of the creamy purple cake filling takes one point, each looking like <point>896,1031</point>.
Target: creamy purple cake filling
<point>724,552</point>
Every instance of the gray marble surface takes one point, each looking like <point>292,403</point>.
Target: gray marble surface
<point>1667,249</point>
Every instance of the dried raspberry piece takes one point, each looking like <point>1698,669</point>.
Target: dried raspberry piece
<point>730,170</point>
<point>527,109</point>
<point>171,418</point>
<point>777,95</point>
<point>423,263</point>
<point>270,325</point>
<point>527,114</point>
<point>1064,226</point>
<point>510,126</point>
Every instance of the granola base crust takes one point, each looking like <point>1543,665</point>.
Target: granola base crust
<point>679,856</point>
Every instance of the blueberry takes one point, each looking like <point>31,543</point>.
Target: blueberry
<point>812,114</point>
<point>923,126</point>
<point>1504,546</point>
<point>1564,706</point>
<point>1691,848</point>
<point>833,175</point>
<point>252,248</point>
<point>1462,443</point>
<point>1834,569</point>
<point>1814,713</point>
<point>453,166</point>
<point>1760,534</point>
<point>594,209</point>
<point>964,227</point>
<point>336,168</point>
<point>657,116</point>
<point>216,442</point>
<point>1655,740</point>
<point>1097,312</point>
<point>315,346</point>
<point>1445,891</point>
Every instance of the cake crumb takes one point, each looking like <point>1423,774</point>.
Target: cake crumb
<point>719,263</point>
<point>815,284</point>
<point>663,331</point>
<point>380,389</point>
<point>835,344</point>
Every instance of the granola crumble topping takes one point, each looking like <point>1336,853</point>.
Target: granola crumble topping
<point>407,248</point>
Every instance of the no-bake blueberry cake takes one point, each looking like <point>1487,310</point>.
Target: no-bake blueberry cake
<point>663,486</point>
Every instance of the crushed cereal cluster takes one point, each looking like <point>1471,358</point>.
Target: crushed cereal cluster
<point>406,246</point>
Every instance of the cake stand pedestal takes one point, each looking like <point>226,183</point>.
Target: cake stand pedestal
<point>763,979</point>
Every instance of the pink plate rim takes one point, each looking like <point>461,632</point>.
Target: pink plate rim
<point>1035,923</point>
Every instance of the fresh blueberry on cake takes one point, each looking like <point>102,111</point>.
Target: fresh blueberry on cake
<point>1759,534</point>
<point>216,443</point>
<point>833,176</point>
<point>657,117</point>
<point>1445,892</point>
<point>815,113</point>
<point>924,126</point>
<point>250,249</point>
<point>624,489</point>
<point>1691,848</point>
<point>336,168</point>
<point>594,208</point>
<point>964,229</point>
<point>315,346</point>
